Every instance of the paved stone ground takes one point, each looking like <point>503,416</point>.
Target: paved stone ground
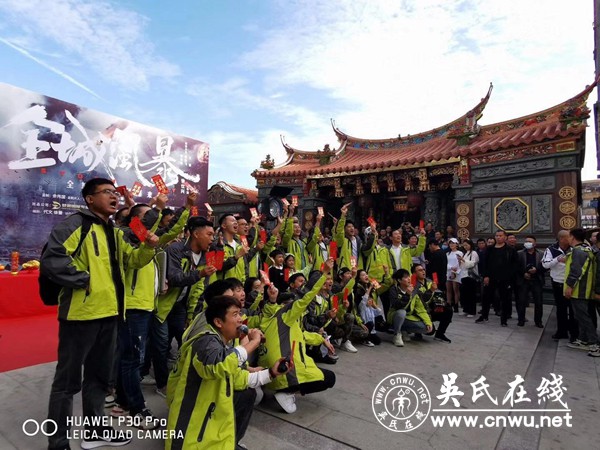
<point>343,418</point>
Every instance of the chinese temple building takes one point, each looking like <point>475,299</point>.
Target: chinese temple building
<point>522,175</point>
<point>228,198</point>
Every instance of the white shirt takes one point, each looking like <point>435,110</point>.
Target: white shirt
<point>397,252</point>
<point>557,268</point>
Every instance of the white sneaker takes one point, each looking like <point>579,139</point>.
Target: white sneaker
<point>147,380</point>
<point>259,395</point>
<point>470,316</point>
<point>286,401</point>
<point>109,401</point>
<point>347,346</point>
<point>368,344</point>
<point>398,342</point>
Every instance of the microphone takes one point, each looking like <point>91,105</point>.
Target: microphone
<point>243,329</point>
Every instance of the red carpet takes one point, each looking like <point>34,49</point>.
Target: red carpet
<point>27,341</point>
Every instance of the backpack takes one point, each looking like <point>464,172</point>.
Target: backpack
<point>48,288</point>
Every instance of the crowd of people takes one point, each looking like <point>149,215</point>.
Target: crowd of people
<point>250,308</point>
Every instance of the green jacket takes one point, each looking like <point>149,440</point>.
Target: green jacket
<point>236,268</point>
<point>302,247</point>
<point>140,284</point>
<point>406,254</point>
<point>182,274</point>
<point>345,246</point>
<point>282,326</point>
<point>415,309</point>
<point>580,271</point>
<point>89,291</point>
<point>200,391</point>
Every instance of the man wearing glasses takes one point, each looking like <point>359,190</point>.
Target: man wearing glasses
<point>91,303</point>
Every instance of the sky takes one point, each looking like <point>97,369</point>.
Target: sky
<point>240,74</point>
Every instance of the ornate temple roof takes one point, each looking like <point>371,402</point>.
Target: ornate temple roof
<point>248,196</point>
<point>462,137</point>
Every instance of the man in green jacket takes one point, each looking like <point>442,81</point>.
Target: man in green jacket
<point>351,247</point>
<point>202,413</point>
<point>91,302</point>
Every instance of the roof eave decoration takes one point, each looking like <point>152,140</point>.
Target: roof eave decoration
<point>472,116</point>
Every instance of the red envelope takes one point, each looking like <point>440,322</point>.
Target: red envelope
<point>190,187</point>
<point>353,262</point>
<point>266,267</point>
<point>335,302</point>
<point>211,258</point>
<point>346,293</point>
<point>295,200</point>
<point>320,211</point>
<point>122,190</point>
<point>219,259</point>
<point>372,222</point>
<point>194,211</point>
<point>136,190</point>
<point>263,236</point>
<point>333,250</point>
<point>435,277</point>
<point>421,224</point>
<point>160,184</point>
<point>413,279</point>
<point>138,229</point>
<point>265,278</point>
<point>253,212</point>
<point>286,274</point>
<point>244,240</point>
<point>208,208</point>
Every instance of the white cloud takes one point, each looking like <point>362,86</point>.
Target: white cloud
<point>107,38</point>
<point>414,65</point>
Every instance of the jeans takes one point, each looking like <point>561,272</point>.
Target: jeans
<point>565,316</point>
<point>587,330</point>
<point>398,320</point>
<point>314,386</point>
<point>414,326</point>
<point>535,288</point>
<point>132,342</point>
<point>87,343</point>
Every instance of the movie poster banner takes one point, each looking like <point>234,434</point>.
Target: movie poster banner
<point>50,148</point>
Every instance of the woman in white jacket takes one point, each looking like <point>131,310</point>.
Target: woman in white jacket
<point>453,274</point>
<point>470,278</point>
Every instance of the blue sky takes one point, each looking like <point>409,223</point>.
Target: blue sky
<point>238,74</point>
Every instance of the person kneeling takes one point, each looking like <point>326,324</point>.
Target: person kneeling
<point>202,413</point>
<point>284,337</point>
<point>407,312</point>
<point>437,306</point>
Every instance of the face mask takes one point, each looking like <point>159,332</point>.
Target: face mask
<point>528,245</point>
<point>444,247</point>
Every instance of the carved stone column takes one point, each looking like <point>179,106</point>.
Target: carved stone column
<point>432,209</point>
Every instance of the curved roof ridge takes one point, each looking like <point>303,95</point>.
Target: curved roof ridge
<point>578,99</point>
<point>435,132</point>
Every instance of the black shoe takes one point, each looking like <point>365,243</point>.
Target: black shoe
<point>503,324</point>
<point>481,319</point>
<point>455,309</point>
<point>442,337</point>
<point>432,332</point>
<point>417,337</point>
<point>557,336</point>
<point>539,325</point>
<point>327,360</point>
<point>521,323</point>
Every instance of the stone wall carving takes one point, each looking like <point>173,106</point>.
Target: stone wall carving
<point>528,166</point>
<point>566,162</point>
<point>462,194</point>
<point>520,185</point>
<point>483,215</point>
<point>542,213</point>
<point>432,208</point>
<point>512,214</point>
